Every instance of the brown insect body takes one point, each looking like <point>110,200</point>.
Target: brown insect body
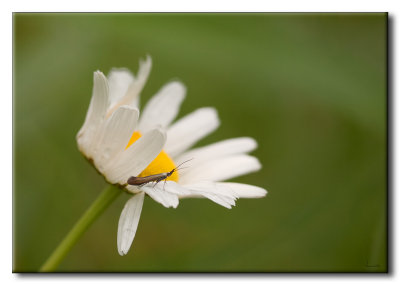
<point>140,181</point>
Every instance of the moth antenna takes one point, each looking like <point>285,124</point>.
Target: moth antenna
<point>176,168</point>
<point>183,167</point>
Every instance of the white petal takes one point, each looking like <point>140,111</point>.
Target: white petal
<point>96,112</point>
<point>190,129</point>
<point>132,94</point>
<point>244,190</point>
<point>158,194</point>
<point>213,191</point>
<point>136,158</point>
<point>128,222</point>
<point>175,188</point>
<point>133,189</point>
<point>136,87</point>
<point>163,107</point>
<point>220,169</point>
<point>218,150</point>
<point>119,80</point>
<point>164,192</point>
<point>226,202</point>
<point>115,137</point>
<point>223,193</point>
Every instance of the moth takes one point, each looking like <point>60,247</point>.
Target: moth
<point>140,181</point>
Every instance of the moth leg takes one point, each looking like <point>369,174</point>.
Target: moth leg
<point>158,180</point>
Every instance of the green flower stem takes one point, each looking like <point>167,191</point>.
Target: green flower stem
<point>96,209</point>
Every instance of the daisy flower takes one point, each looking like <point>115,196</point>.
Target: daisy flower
<point>121,145</point>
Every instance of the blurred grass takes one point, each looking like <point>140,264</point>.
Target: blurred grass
<point>310,88</point>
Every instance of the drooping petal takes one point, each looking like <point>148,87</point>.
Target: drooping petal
<point>119,80</point>
<point>117,132</point>
<point>243,190</point>
<point>135,158</point>
<point>224,201</point>
<point>161,196</point>
<point>163,107</point>
<point>190,129</point>
<point>128,222</point>
<point>221,169</point>
<point>218,150</point>
<point>214,191</point>
<point>223,193</point>
<point>96,113</point>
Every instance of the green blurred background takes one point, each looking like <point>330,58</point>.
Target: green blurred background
<point>310,88</point>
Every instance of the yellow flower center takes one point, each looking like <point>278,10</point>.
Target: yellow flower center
<point>162,163</point>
